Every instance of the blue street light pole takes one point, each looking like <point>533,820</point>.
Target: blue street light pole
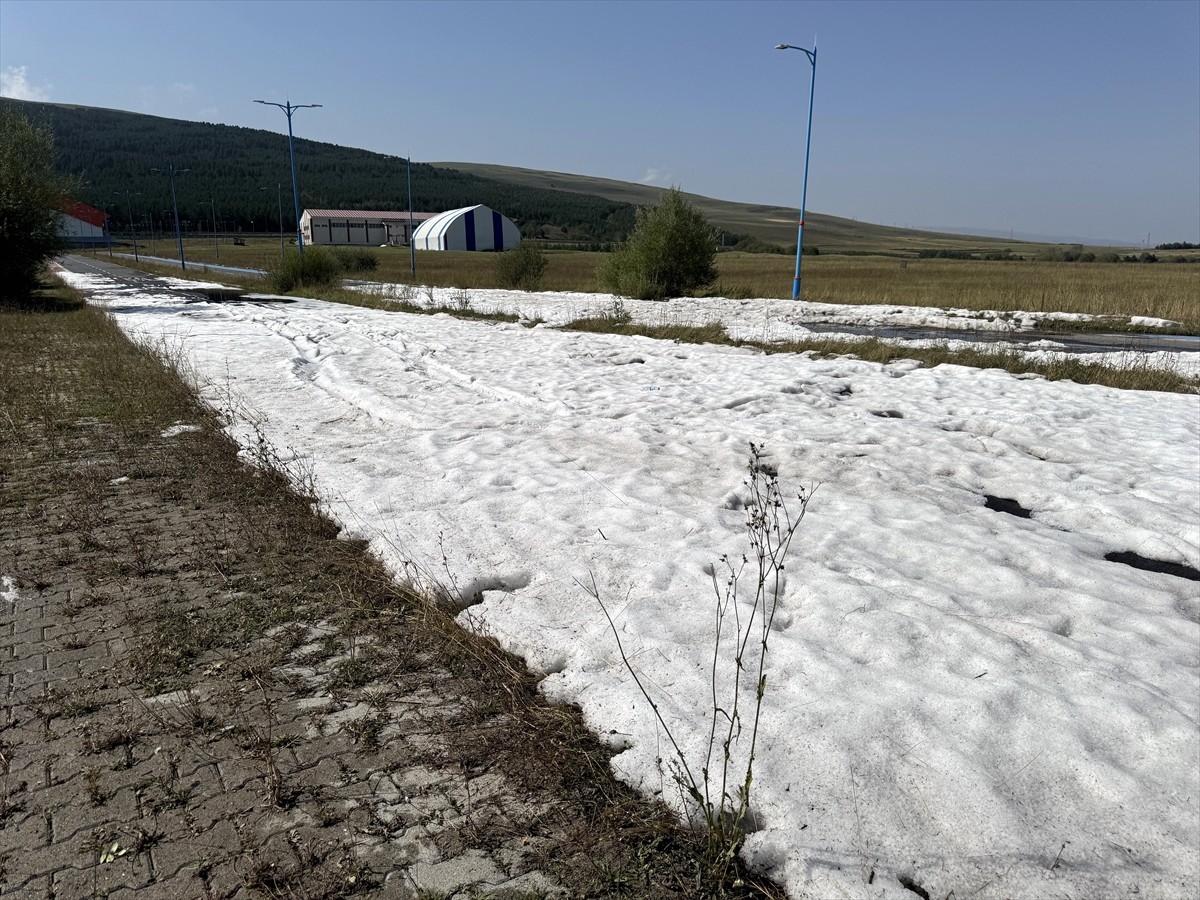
<point>812,58</point>
<point>172,172</point>
<point>412,253</point>
<point>289,108</point>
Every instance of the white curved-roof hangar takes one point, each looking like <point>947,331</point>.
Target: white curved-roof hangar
<point>470,228</point>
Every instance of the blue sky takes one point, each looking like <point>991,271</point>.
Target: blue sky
<point>1066,119</point>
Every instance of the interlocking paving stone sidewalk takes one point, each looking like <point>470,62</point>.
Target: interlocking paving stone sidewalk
<point>257,777</point>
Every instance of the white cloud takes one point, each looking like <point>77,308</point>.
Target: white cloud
<point>659,177</point>
<point>14,82</point>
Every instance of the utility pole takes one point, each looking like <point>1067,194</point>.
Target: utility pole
<point>172,173</point>
<point>216,239</point>
<point>412,252</point>
<point>132,231</point>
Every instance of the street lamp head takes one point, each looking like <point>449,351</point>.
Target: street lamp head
<point>777,47</point>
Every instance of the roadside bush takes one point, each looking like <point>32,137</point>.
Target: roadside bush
<point>521,268</point>
<point>316,267</point>
<point>356,259</point>
<point>671,253</point>
<point>31,194</point>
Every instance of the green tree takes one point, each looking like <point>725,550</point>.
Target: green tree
<point>671,253</point>
<point>31,198</point>
<point>521,268</point>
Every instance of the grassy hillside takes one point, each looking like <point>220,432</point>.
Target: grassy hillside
<point>238,170</point>
<point>113,152</point>
<point>771,224</point>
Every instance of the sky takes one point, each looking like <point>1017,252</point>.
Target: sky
<point>1055,119</point>
<point>981,704</point>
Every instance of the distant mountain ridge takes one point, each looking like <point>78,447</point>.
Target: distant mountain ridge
<point>774,225</point>
<point>238,175</point>
<point>1035,238</point>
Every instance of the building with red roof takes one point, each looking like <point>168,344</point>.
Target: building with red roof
<point>82,225</point>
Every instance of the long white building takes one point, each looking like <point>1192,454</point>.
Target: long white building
<point>358,227</point>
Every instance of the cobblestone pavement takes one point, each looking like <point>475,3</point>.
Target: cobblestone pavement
<point>308,763</point>
<point>205,694</point>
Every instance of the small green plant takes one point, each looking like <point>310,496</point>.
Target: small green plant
<point>521,268</point>
<point>721,792</point>
<point>317,266</point>
<point>672,252</point>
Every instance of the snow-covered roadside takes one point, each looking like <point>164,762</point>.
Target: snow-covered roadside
<point>963,700</point>
<point>780,321</point>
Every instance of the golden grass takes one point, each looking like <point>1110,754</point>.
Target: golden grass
<point>1136,374</point>
<point>1162,290</point>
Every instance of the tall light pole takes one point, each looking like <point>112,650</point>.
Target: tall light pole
<point>289,108</point>
<point>172,172</point>
<point>412,254</point>
<point>216,240</point>
<point>412,251</point>
<point>812,58</point>
<point>132,232</point>
<point>107,229</point>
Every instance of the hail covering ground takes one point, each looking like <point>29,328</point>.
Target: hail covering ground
<point>958,700</point>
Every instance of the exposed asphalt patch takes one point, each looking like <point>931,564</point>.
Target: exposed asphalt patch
<point>1137,561</point>
<point>1125,557</point>
<point>1005,505</point>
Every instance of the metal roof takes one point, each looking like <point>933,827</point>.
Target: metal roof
<point>368,214</point>
<point>78,210</point>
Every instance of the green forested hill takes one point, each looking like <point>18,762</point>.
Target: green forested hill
<point>113,152</point>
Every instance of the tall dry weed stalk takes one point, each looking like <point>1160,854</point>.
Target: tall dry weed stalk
<point>747,590</point>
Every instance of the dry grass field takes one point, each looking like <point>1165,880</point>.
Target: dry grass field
<point>1162,290</point>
